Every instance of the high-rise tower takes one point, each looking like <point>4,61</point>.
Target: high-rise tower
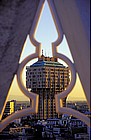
<point>47,77</point>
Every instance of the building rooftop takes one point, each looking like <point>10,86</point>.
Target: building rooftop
<point>47,61</point>
<point>40,63</point>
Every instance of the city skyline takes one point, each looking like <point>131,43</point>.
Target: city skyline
<point>46,34</point>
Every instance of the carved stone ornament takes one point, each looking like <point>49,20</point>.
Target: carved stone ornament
<point>34,97</point>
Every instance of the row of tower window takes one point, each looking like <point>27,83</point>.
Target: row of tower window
<point>55,76</point>
<point>52,87</point>
<point>46,80</point>
<point>47,71</point>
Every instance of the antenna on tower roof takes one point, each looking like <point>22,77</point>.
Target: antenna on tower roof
<point>45,53</point>
<point>48,53</point>
<point>42,51</point>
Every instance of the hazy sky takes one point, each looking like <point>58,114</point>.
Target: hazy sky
<point>46,34</point>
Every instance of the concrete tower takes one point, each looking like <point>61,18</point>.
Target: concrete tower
<point>47,77</point>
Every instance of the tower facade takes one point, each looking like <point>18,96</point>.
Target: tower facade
<point>47,77</point>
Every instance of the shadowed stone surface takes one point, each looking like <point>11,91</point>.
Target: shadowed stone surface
<point>16,17</point>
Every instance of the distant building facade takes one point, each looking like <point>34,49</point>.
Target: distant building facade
<point>22,105</point>
<point>10,108</point>
<point>80,106</point>
<point>47,77</point>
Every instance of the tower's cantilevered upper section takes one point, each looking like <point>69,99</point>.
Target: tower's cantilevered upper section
<point>47,72</point>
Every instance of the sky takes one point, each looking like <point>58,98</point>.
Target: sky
<point>46,34</point>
